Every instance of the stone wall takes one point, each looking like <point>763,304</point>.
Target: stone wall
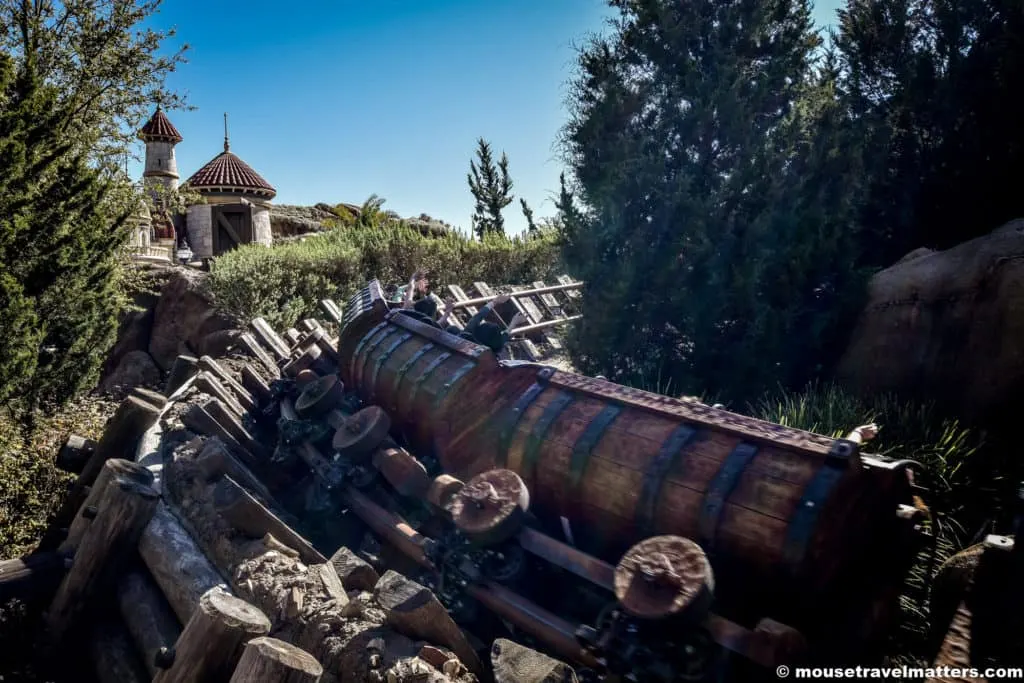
<point>261,225</point>
<point>200,230</point>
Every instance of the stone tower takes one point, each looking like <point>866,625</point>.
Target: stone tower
<point>160,137</point>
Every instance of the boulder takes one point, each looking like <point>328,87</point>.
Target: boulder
<point>515,663</point>
<point>183,317</point>
<point>136,369</point>
<point>947,325</point>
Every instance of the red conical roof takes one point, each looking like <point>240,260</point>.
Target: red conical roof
<point>227,173</point>
<point>160,128</point>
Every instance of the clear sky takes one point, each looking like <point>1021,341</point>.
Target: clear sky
<point>335,100</point>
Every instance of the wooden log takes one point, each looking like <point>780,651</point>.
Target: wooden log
<point>176,563</point>
<point>515,663</point>
<point>270,339</point>
<point>196,419</point>
<point>151,397</point>
<point>247,515</point>
<point>30,576</point>
<point>208,383</point>
<point>242,395</point>
<point>216,460</point>
<point>148,617</point>
<point>269,660</point>
<point>255,385</point>
<point>75,452</point>
<point>211,643</point>
<point>260,354</point>
<point>310,325</point>
<point>234,427</point>
<point>332,309</point>
<point>413,610</point>
<point>113,472</point>
<point>114,658</point>
<point>183,369</point>
<point>355,572</point>
<point>120,436</point>
<point>124,510</point>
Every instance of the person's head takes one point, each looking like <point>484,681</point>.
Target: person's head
<point>490,335</point>
<point>427,306</point>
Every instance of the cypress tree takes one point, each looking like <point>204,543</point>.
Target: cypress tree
<point>690,131</point>
<point>491,186</point>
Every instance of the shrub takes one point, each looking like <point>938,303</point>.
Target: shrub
<point>284,283</point>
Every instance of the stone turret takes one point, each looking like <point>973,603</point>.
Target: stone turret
<point>160,137</point>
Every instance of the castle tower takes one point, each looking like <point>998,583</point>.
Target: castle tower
<point>160,137</point>
<point>237,205</point>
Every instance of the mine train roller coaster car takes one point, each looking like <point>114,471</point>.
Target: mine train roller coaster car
<point>799,527</point>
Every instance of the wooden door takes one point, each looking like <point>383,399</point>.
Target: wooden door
<point>232,226</point>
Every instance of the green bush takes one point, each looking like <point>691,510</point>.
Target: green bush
<point>286,282</point>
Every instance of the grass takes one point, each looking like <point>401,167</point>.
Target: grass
<point>31,488</point>
<point>958,467</point>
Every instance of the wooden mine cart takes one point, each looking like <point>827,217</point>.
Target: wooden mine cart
<point>800,528</point>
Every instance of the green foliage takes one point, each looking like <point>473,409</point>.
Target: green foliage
<point>286,282</point>
<point>107,66</point>
<point>929,84</point>
<point>61,224</point>
<point>492,189</point>
<point>959,469</point>
<point>716,235</point>
<point>531,226</point>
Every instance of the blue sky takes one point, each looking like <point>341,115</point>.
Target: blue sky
<point>335,100</point>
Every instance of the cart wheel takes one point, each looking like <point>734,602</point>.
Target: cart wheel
<point>491,507</point>
<point>362,433</point>
<point>664,576</point>
<point>319,397</point>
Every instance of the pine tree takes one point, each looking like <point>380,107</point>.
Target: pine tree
<point>492,189</point>
<point>531,226</point>
<point>929,82</point>
<point>685,138</point>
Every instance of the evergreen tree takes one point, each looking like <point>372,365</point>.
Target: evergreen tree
<point>492,189</point>
<point>930,82</point>
<point>74,77</point>
<point>531,226</point>
<point>691,133</point>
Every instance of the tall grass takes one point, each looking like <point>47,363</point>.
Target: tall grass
<point>959,470</point>
<point>285,283</point>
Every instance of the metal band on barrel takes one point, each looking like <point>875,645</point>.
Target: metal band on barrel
<point>450,384</point>
<point>655,474</point>
<point>804,520</point>
<point>406,366</point>
<point>384,359</point>
<point>719,491</point>
<point>540,429</point>
<point>368,353</point>
<point>512,418</point>
<point>586,443</point>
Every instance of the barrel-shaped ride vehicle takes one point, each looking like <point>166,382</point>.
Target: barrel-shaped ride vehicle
<point>801,528</point>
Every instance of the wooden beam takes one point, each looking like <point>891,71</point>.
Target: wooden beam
<point>123,512</point>
<point>208,383</point>
<point>246,514</point>
<point>270,338</point>
<point>268,660</point>
<point>183,369</point>
<point>176,563</point>
<point>242,395</point>
<point>211,643</point>
<point>75,452</point>
<point>32,575</point>
<point>113,657</point>
<point>260,354</point>
<point>148,617</point>
<point>112,474</point>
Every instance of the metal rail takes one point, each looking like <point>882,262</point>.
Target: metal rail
<point>515,295</point>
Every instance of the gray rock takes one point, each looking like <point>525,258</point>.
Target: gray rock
<point>136,369</point>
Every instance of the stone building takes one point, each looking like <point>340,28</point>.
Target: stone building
<point>237,200</point>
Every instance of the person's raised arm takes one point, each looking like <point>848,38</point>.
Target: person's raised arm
<point>475,321</point>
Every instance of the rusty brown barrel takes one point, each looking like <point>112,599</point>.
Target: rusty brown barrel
<point>799,519</point>
<point>413,370</point>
